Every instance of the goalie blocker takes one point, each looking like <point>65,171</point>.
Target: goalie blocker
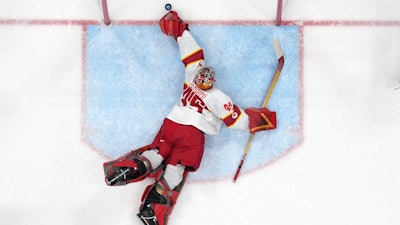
<point>261,119</point>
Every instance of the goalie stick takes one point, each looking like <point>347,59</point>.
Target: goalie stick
<point>281,61</point>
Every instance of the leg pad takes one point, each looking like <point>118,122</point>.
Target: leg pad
<point>129,168</point>
<point>158,202</point>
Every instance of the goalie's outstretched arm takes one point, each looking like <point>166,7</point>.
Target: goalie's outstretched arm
<point>191,53</point>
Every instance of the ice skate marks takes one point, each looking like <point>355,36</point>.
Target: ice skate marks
<point>134,77</point>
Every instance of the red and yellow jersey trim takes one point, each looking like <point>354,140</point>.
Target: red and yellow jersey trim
<point>195,56</point>
<point>232,117</point>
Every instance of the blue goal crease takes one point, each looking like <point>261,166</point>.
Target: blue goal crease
<point>134,77</point>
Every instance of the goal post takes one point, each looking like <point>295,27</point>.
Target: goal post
<point>278,20</point>
<point>106,16</point>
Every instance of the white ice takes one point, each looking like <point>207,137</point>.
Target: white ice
<point>345,172</point>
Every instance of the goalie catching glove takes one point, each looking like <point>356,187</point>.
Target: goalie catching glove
<point>261,119</point>
<point>172,25</point>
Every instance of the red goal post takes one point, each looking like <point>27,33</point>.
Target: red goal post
<point>278,20</point>
<point>106,20</point>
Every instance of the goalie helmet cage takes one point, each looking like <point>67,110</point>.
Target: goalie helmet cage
<point>107,20</point>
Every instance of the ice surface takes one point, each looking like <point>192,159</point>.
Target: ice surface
<point>135,76</point>
<point>345,171</point>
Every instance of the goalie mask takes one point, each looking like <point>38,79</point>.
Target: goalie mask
<point>204,78</point>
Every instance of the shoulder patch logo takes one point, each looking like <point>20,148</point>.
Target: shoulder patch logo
<point>228,106</point>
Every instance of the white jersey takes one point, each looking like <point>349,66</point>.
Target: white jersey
<point>203,109</point>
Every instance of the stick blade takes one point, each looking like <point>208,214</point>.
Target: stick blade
<point>277,48</point>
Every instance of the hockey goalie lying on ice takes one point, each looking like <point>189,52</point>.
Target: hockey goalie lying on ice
<point>178,147</point>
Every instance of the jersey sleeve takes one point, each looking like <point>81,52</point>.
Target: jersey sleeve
<point>191,55</point>
<point>232,115</point>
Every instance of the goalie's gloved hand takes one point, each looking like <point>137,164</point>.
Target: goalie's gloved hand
<point>172,25</point>
<point>261,119</point>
